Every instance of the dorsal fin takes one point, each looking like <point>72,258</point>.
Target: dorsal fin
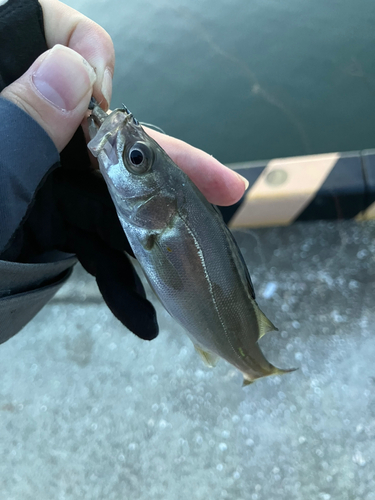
<point>237,255</point>
<point>265,325</point>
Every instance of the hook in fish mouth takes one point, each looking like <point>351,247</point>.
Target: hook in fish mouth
<point>135,121</point>
<point>93,102</point>
<point>98,115</point>
<point>126,109</point>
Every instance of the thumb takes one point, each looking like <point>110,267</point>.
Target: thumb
<point>56,92</point>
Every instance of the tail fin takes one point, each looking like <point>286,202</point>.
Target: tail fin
<point>249,379</point>
<point>279,371</point>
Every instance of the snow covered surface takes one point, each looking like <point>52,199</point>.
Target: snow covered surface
<point>89,411</point>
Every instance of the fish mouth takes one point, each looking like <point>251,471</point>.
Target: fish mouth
<point>98,117</point>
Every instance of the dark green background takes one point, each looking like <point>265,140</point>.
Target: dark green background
<point>247,80</point>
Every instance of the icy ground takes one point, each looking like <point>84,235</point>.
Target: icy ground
<point>88,411</point>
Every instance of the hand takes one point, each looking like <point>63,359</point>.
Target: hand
<point>72,210</point>
<point>57,88</point>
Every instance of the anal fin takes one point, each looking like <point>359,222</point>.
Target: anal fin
<point>209,359</point>
<point>247,382</point>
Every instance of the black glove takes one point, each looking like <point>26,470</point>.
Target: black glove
<point>70,210</point>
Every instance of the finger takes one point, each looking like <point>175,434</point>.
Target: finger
<point>218,183</point>
<point>56,92</point>
<point>66,26</point>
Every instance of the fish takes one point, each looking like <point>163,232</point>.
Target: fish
<point>186,251</point>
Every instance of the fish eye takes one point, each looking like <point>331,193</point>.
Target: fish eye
<point>136,157</point>
<point>140,158</point>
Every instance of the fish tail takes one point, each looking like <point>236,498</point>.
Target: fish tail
<point>279,371</point>
<point>250,378</point>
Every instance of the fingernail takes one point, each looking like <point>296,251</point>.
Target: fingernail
<point>64,78</point>
<point>107,86</point>
<point>245,181</point>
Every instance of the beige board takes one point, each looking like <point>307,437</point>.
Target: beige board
<point>284,188</point>
<point>367,214</point>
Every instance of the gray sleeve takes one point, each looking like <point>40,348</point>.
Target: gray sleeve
<point>27,156</point>
<point>26,288</point>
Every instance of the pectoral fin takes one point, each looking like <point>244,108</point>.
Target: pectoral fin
<point>163,265</point>
<point>209,359</point>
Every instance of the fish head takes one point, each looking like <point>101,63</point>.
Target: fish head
<point>142,179</point>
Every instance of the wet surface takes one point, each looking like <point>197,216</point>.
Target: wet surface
<point>246,80</point>
<point>90,411</point>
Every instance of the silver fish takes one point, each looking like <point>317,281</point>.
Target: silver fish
<point>186,251</point>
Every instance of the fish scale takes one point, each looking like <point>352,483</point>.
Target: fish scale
<point>186,251</point>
